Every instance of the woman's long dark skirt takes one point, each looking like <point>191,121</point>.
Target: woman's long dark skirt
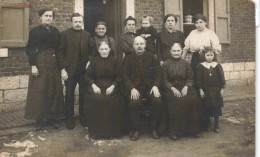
<point>183,112</point>
<point>105,114</point>
<point>45,92</point>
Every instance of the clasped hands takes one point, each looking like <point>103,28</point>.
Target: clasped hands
<point>181,93</point>
<point>97,90</point>
<point>135,93</point>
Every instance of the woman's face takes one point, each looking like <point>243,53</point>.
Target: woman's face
<point>101,30</point>
<point>170,23</point>
<point>47,17</point>
<point>176,51</point>
<point>200,25</point>
<point>130,26</point>
<point>104,50</point>
<point>209,56</point>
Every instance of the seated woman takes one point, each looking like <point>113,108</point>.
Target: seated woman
<point>103,108</point>
<point>101,29</point>
<point>181,99</point>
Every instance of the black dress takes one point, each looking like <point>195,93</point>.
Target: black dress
<point>45,95</point>
<point>211,80</point>
<point>104,114</point>
<point>182,111</point>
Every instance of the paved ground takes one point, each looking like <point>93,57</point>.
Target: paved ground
<point>237,137</point>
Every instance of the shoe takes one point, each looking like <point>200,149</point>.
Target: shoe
<point>135,136</point>
<point>39,125</point>
<point>216,130</point>
<point>70,124</point>
<point>82,121</point>
<point>53,123</point>
<point>174,137</point>
<point>155,135</point>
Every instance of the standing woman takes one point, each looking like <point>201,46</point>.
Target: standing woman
<point>45,96</point>
<point>101,29</point>
<point>197,40</point>
<point>167,37</point>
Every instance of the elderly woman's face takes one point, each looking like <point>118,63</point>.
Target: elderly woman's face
<point>47,17</point>
<point>200,25</point>
<point>104,50</point>
<point>101,30</point>
<point>176,51</point>
<point>170,23</point>
<point>130,26</point>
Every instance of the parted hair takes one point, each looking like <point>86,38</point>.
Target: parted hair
<point>42,11</point>
<point>129,18</point>
<point>169,15</point>
<point>76,15</point>
<point>200,17</point>
<point>206,50</point>
<point>101,23</point>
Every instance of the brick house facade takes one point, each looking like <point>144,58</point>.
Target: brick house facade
<point>238,56</point>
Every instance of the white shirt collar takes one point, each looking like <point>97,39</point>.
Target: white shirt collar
<point>208,65</point>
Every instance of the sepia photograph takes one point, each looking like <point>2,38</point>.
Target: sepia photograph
<point>128,78</point>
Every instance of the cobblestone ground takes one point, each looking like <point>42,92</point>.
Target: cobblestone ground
<point>236,139</point>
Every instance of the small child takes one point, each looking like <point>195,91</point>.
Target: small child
<point>148,32</point>
<point>211,83</point>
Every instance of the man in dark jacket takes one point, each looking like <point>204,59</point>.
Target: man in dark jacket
<point>142,77</point>
<point>73,57</point>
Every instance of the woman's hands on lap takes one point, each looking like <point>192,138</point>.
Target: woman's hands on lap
<point>35,71</point>
<point>184,90</point>
<point>155,92</point>
<point>135,94</point>
<point>96,89</point>
<point>176,92</point>
<point>110,89</point>
<point>202,94</point>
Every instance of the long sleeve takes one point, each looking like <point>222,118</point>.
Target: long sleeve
<point>158,48</point>
<point>32,48</point>
<point>61,51</point>
<point>126,75</point>
<point>189,75</point>
<point>200,76</point>
<point>118,68</point>
<point>125,48</point>
<point>89,74</point>
<point>113,47</point>
<point>214,41</point>
<point>157,72</point>
<point>166,81</point>
<point>221,76</point>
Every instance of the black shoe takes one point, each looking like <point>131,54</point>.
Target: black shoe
<point>82,121</point>
<point>39,125</point>
<point>174,137</point>
<point>216,130</point>
<point>135,136</point>
<point>70,124</point>
<point>53,123</point>
<point>155,135</point>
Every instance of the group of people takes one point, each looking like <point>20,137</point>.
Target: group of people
<point>182,96</point>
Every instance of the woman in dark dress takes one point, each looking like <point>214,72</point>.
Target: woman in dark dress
<point>45,96</point>
<point>211,83</point>
<point>103,107</point>
<point>100,36</point>
<point>167,37</point>
<point>180,96</point>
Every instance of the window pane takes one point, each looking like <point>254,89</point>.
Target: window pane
<point>13,24</point>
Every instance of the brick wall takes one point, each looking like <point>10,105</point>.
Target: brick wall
<point>152,8</point>
<point>242,19</point>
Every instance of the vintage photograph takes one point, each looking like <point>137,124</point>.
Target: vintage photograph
<point>127,78</point>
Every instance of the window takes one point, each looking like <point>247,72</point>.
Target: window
<point>14,23</point>
<point>217,12</point>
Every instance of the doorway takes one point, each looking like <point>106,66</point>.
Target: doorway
<point>109,11</point>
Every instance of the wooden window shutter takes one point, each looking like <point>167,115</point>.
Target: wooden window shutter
<point>175,7</point>
<point>222,20</point>
<point>14,19</point>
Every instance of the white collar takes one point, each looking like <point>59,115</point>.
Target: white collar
<point>208,65</point>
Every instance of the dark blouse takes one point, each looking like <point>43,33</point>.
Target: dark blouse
<point>104,72</point>
<point>126,43</point>
<point>97,39</point>
<point>210,77</point>
<point>41,38</point>
<point>177,72</point>
<point>165,42</point>
<point>150,41</point>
